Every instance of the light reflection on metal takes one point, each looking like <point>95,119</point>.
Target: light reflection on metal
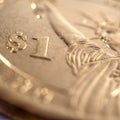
<point>116,92</point>
<point>1,1</point>
<point>14,68</point>
<point>5,61</point>
<point>33,6</point>
<point>38,8</point>
<point>38,16</point>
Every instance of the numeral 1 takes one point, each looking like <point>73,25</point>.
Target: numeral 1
<point>41,48</point>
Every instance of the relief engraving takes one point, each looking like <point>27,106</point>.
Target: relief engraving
<point>80,49</point>
<point>93,63</point>
<point>103,30</point>
<point>25,84</point>
<point>16,42</point>
<point>41,48</point>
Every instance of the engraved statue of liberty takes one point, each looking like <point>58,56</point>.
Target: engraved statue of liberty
<point>97,88</point>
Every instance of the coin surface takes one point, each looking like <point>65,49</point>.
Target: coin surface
<point>15,113</point>
<point>61,60</point>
